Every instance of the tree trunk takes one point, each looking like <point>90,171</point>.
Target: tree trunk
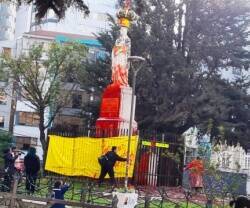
<point>180,26</point>
<point>43,139</point>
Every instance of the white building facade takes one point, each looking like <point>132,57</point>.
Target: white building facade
<point>230,158</point>
<point>74,21</point>
<point>5,105</point>
<point>6,47</point>
<point>7,21</point>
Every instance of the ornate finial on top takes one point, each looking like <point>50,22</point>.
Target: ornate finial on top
<point>126,14</point>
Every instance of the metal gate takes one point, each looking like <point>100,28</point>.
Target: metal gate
<point>159,162</point>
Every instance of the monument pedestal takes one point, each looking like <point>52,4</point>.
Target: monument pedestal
<point>115,112</point>
<point>125,200</point>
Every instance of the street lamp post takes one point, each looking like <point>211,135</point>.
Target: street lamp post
<point>140,61</point>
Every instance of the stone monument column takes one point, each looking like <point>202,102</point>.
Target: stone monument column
<point>116,98</point>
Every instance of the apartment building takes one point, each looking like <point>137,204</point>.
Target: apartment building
<point>7,20</point>
<point>74,22</point>
<point>7,34</point>
<point>6,47</point>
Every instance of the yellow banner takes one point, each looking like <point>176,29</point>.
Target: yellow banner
<point>79,156</point>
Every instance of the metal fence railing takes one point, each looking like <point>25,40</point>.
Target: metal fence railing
<point>159,157</point>
<point>91,132</point>
<point>86,194</point>
<point>158,176</point>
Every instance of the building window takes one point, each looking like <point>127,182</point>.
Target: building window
<point>1,121</point>
<point>25,147</point>
<point>92,55</point>
<point>28,119</point>
<point>24,143</point>
<point>76,101</point>
<point>91,98</point>
<point>7,51</point>
<point>3,97</point>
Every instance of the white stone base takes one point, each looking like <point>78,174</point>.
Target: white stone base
<point>125,108</point>
<point>126,200</point>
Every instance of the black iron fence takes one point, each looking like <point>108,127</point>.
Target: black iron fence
<point>84,193</point>
<point>157,176</point>
<point>159,161</point>
<point>159,157</point>
<point>91,132</point>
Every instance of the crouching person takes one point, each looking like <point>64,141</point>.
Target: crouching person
<point>58,193</point>
<point>107,165</point>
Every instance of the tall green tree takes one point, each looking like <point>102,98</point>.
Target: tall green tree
<point>187,46</point>
<point>40,76</point>
<point>184,55</point>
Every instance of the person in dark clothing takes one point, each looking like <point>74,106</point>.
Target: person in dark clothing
<point>58,193</point>
<point>240,202</point>
<point>9,167</point>
<point>32,167</point>
<point>107,167</point>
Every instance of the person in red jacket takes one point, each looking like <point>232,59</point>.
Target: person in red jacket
<point>196,170</point>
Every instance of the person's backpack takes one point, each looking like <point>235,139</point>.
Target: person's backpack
<point>102,159</point>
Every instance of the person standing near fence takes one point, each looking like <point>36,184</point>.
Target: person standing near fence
<point>9,167</point>
<point>32,167</point>
<point>107,163</point>
<point>196,169</point>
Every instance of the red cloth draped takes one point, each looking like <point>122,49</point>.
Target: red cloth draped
<point>196,169</point>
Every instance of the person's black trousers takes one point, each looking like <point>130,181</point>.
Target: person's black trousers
<point>8,178</point>
<point>30,182</point>
<point>107,170</point>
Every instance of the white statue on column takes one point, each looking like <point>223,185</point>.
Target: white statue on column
<point>122,49</point>
<point>120,63</point>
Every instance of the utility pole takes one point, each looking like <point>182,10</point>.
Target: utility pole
<point>12,107</point>
<point>140,61</point>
